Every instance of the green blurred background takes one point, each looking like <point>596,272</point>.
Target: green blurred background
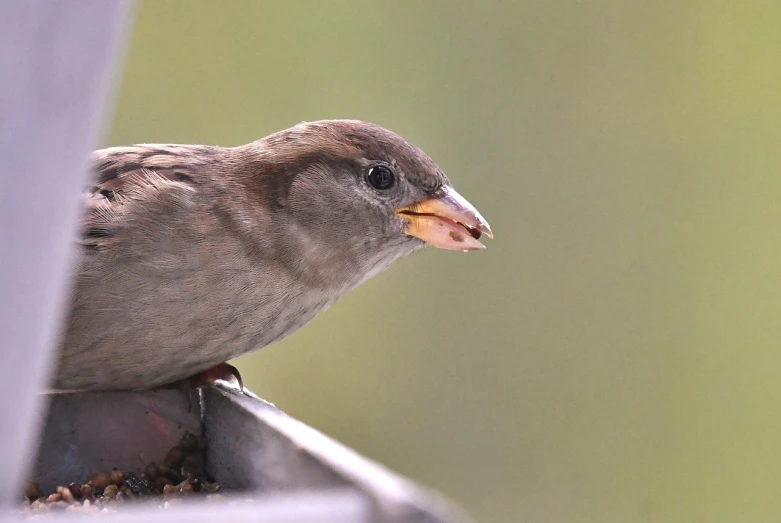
<point>613,355</point>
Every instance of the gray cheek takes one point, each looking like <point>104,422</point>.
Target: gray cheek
<point>394,226</point>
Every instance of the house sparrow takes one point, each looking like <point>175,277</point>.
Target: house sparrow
<point>193,254</point>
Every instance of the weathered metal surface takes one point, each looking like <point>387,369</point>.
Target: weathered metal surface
<point>253,445</point>
<point>93,432</point>
<point>254,451</point>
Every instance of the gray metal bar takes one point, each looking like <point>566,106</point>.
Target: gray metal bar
<point>254,450</point>
<point>253,445</point>
<point>56,59</point>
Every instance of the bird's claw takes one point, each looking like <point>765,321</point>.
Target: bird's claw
<point>223,371</point>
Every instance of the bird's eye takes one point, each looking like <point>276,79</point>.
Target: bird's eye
<point>380,177</point>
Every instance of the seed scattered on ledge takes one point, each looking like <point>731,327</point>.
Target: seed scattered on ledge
<point>182,473</point>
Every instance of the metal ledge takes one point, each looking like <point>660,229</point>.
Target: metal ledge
<point>86,433</point>
<point>254,450</point>
<point>276,451</point>
<point>337,506</point>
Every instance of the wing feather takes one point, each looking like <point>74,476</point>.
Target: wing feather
<point>139,183</point>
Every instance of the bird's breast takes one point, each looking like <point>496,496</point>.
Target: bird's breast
<point>157,317</point>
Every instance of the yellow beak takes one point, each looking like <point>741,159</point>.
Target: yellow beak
<point>446,220</point>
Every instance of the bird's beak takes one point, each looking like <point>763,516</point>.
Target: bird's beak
<point>446,220</point>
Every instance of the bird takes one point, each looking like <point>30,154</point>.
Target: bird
<point>191,255</point>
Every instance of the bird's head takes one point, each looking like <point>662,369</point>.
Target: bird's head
<point>357,194</point>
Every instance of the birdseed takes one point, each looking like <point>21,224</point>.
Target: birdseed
<point>182,474</point>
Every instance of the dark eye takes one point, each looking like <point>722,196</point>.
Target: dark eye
<point>380,177</point>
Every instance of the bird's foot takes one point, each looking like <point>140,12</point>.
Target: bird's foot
<point>223,371</point>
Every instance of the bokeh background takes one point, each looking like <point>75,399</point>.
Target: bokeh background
<point>614,354</point>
